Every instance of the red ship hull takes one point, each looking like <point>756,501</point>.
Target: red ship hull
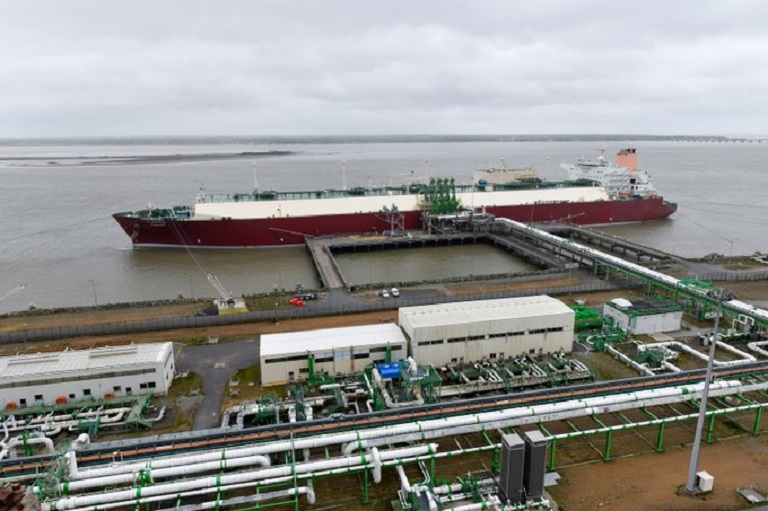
<point>292,231</point>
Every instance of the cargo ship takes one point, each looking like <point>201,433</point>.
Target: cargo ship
<point>596,192</point>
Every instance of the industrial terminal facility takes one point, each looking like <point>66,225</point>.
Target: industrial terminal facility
<point>457,404</point>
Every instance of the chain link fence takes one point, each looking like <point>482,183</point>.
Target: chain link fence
<point>311,309</point>
<point>331,308</point>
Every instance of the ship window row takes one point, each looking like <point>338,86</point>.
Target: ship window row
<point>69,379</point>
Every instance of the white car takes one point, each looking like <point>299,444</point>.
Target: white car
<point>385,294</point>
<point>395,292</point>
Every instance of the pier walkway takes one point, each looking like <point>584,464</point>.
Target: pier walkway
<point>327,269</point>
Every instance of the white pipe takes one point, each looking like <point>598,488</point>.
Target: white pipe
<point>376,465</point>
<point>621,356</point>
<point>220,503</point>
<point>388,401</point>
<point>45,423</point>
<point>517,416</point>
<point>413,368</point>
<point>163,473</point>
<point>671,367</point>
<point>434,427</point>
<point>49,430</point>
<point>171,489</point>
<point>405,485</point>
<point>368,384</point>
<point>6,448</point>
<point>259,497</point>
<point>702,356</point>
<point>159,416</point>
<point>82,441</point>
<point>755,346</point>
<point>736,351</point>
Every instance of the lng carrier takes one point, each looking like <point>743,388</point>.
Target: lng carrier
<point>597,192</point>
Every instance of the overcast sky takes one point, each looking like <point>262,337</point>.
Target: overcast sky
<point>186,67</point>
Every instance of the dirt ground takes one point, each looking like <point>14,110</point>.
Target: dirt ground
<point>653,481</point>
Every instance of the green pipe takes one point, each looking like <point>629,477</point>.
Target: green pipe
<point>660,438</point>
<point>756,425</point>
<point>710,427</point>
<point>552,447</point>
<point>648,413</point>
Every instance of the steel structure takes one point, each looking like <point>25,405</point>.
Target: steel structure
<point>606,263</point>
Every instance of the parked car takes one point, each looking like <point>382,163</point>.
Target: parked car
<point>384,293</point>
<point>306,295</point>
<point>395,292</point>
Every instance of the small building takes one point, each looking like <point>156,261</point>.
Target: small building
<point>487,329</point>
<point>644,316</point>
<point>49,378</point>
<point>284,357</point>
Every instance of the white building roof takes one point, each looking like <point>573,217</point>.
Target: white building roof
<point>621,302</point>
<point>40,364</point>
<point>481,310</point>
<point>330,338</point>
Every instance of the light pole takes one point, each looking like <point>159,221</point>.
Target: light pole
<point>276,320</point>
<point>690,487</point>
<point>95,300</point>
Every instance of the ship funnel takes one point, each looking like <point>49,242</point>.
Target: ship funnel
<point>627,158</point>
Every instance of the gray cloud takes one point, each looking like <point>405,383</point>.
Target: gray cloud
<point>340,67</point>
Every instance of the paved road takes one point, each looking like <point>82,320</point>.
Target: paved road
<point>216,364</point>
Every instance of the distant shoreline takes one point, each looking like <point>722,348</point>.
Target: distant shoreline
<point>147,159</point>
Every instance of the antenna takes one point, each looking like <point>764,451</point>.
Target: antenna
<point>503,164</point>
<point>343,174</point>
<point>255,179</point>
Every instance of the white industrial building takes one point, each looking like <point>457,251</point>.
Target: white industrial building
<point>284,357</point>
<point>645,316</point>
<point>48,378</point>
<point>487,329</point>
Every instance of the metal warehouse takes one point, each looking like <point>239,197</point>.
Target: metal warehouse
<point>47,378</point>
<point>284,357</point>
<point>644,316</point>
<point>487,329</point>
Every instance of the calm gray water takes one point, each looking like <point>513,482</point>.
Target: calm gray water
<point>57,237</point>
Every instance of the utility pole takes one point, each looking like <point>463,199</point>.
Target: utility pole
<point>95,300</point>
<point>690,487</point>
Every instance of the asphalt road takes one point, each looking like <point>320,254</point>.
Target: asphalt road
<point>216,364</point>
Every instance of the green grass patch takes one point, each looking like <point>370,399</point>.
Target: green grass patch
<point>183,386</point>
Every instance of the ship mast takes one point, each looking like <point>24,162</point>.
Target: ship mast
<point>255,179</point>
